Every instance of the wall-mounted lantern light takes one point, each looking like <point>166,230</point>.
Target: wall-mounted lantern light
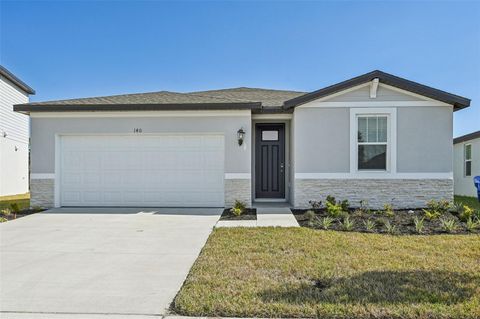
<point>240,136</point>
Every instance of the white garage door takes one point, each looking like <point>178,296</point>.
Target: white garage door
<point>165,170</point>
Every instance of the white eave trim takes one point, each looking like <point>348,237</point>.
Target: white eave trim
<point>273,116</point>
<point>86,114</point>
<point>375,104</point>
<point>42,176</point>
<point>374,175</point>
<point>238,176</point>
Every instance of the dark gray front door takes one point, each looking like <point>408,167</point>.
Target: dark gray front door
<point>270,161</point>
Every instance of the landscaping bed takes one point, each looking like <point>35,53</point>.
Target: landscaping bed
<point>248,214</point>
<point>403,222</point>
<point>304,273</point>
<point>16,206</point>
<point>439,217</point>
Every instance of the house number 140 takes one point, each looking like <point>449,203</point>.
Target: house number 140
<point>137,130</point>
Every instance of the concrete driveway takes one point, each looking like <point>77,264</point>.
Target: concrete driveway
<point>99,261</point>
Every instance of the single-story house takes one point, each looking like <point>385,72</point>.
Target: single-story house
<point>466,163</point>
<point>375,137</point>
<point>14,135</point>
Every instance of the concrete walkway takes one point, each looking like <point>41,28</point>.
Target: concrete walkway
<point>268,215</point>
<point>93,263</point>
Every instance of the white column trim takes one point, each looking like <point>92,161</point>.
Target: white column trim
<point>42,176</point>
<point>238,176</point>
<point>375,175</point>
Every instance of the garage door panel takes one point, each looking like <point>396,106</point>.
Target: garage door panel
<point>176,170</point>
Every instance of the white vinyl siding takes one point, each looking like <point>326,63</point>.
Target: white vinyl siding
<point>15,125</point>
<point>14,138</point>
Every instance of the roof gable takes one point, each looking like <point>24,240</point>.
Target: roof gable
<point>16,81</point>
<point>384,78</point>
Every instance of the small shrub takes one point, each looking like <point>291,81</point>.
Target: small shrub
<point>431,214</point>
<point>310,215</point>
<point>326,222</point>
<point>330,199</point>
<point>15,208</point>
<point>334,210</point>
<point>466,213</point>
<point>347,224</point>
<point>345,205</point>
<point>441,206</point>
<point>315,204</point>
<point>236,211</point>
<point>6,212</point>
<point>391,229</point>
<point>238,208</point>
<point>370,225</point>
<point>388,210</point>
<point>449,225</point>
<point>3,219</point>
<point>419,224</point>
<point>472,224</point>
<point>364,207</point>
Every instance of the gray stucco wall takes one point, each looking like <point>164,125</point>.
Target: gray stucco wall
<point>321,140</point>
<point>237,159</point>
<point>424,139</point>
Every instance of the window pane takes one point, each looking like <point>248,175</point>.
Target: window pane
<point>362,129</point>
<point>372,157</point>
<point>468,151</point>
<point>372,129</point>
<point>382,129</point>
<point>269,135</point>
<point>468,168</point>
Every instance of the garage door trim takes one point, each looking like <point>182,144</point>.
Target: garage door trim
<point>59,144</point>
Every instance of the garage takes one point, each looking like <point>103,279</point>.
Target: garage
<point>174,170</point>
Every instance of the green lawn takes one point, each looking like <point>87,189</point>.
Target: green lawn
<point>470,201</point>
<point>299,272</point>
<point>23,201</point>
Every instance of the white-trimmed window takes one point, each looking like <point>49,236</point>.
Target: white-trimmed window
<point>373,140</point>
<point>467,159</point>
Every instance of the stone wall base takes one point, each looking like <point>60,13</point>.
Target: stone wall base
<point>401,193</point>
<point>240,189</point>
<point>42,192</point>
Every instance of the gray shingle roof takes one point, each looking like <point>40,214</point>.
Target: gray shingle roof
<point>268,98</point>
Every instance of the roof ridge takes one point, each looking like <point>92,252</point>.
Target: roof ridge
<point>249,88</point>
<point>220,98</point>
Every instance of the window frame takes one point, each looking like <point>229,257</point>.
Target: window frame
<point>465,160</point>
<point>391,149</point>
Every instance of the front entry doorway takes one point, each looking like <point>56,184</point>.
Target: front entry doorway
<point>270,161</point>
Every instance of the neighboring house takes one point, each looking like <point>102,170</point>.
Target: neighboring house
<point>14,135</point>
<point>466,163</point>
<point>376,137</point>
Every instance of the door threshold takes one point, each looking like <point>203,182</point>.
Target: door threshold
<point>270,200</point>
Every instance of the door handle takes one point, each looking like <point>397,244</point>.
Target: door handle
<point>282,165</point>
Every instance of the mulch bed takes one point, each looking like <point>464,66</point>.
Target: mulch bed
<point>22,213</point>
<point>249,214</point>
<point>402,219</point>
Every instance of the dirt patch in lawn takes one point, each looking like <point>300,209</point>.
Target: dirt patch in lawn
<point>401,222</point>
<point>248,214</point>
